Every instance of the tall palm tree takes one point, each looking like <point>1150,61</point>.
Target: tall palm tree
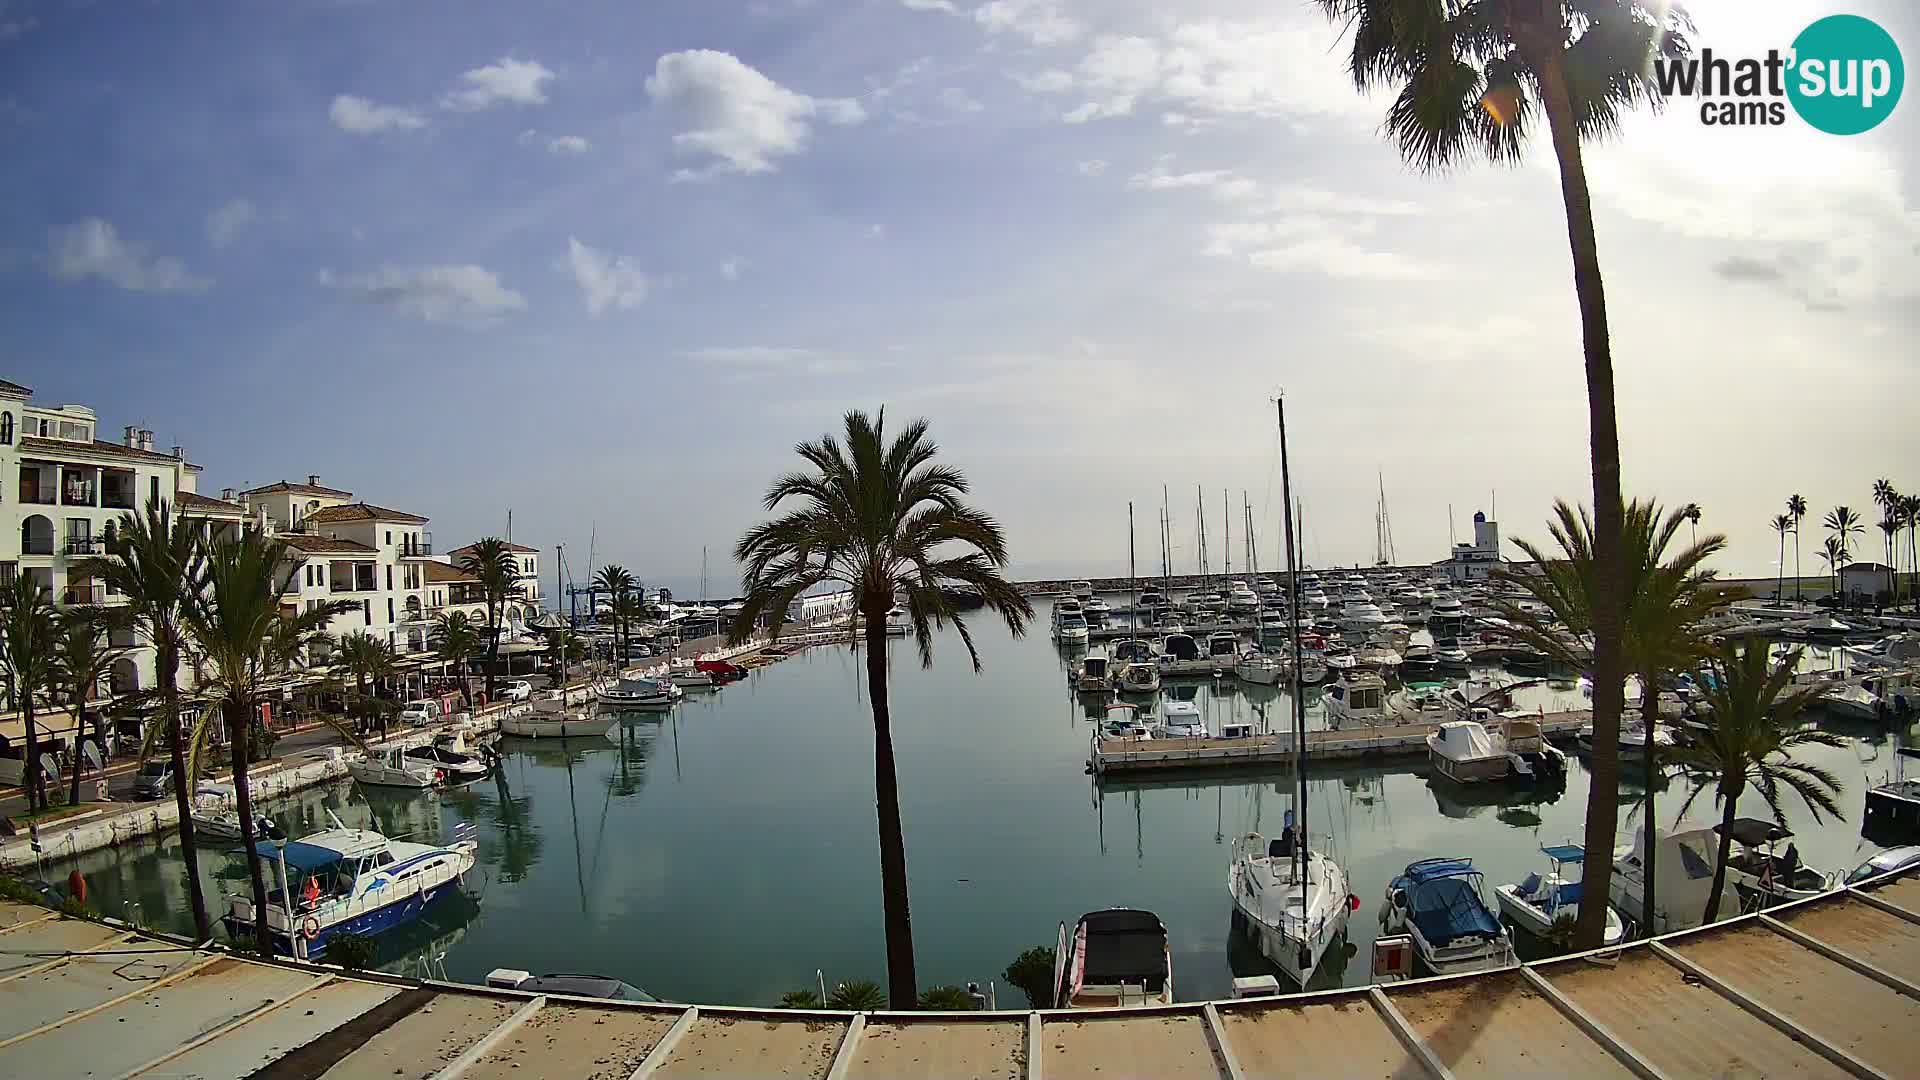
<point>882,519</point>
<point>82,657</point>
<point>614,580</point>
<point>627,610</point>
<point>1910,513</point>
<point>1890,532</point>
<point>490,562</point>
<point>1692,514</point>
<point>1836,555</point>
<point>1844,524</point>
<point>27,636</point>
<point>1470,79</point>
<point>456,641</point>
<point>1666,600</point>
<point>1797,506</point>
<point>235,623</point>
<point>366,658</point>
<point>1888,499</point>
<point>155,562</point>
<point>1751,734</point>
<point>1781,523</point>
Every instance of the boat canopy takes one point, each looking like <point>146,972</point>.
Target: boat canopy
<point>1564,853</point>
<point>301,857</point>
<point>1464,740</point>
<point>1123,945</point>
<point>1444,895</point>
<point>1753,832</point>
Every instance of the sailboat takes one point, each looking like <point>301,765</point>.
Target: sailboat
<point>1295,899</point>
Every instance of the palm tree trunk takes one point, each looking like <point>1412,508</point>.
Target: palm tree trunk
<point>1726,851</point>
<point>36,783</point>
<point>168,661</point>
<point>240,729</point>
<point>902,987</point>
<point>1609,660</point>
<point>79,740</point>
<point>1650,716</point>
<point>493,649</point>
<point>1780,572</point>
<point>1796,564</point>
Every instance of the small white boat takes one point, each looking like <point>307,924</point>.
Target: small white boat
<point>1355,699</point>
<point>1139,677</point>
<point>457,761</point>
<point>1071,630</point>
<point>1181,655</point>
<point>684,673</point>
<point>1181,720</point>
<point>628,693</point>
<point>1258,669</point>
<point>1123,722</point>
<point>213,813</point>
<point>1465,752</point>
<point>1683,880</point>
<point>391,767</point>
<point>1223,649</point>
<point>1081,590</point>
<point>1536,903</point>
<point>1116,958</point>
<point>541,724</point>
<point>1439,903</point>
<point>1761,875</point>
<point>1094,675</point>
<point>1296,907</point>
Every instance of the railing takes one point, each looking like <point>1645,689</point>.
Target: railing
<point>85,545</point>
<point>117,500</point>
<point>37,498</point>
<point>422,546</point>
<point>36,546</point>
<point>84,594</point>
<point>78,495</point>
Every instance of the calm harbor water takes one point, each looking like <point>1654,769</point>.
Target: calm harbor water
<point>724,852</point>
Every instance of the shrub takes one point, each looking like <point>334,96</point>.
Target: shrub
<point>1032,972</point>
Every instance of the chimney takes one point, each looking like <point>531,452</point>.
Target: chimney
<point>313,479</point>
<point>146,440</point>
<point>131,438</point>
<point>226,494</point>
<point>179,453</point>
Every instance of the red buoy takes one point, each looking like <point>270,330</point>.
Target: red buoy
<point>77,886</point>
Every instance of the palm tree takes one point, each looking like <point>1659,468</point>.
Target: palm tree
<point>1751,734</point>
<point>627,610</point>
<point>881,519</point>
<point>456,641</point>
<point>1666,600</point>
<point>235,623</point>
<point>155,561</point>
<point>1470,77</point>
<point>367,659</point>
<point>1781,523</point>
<point>1836,555</point>
<point>1797,506</point>
<point>490,562</point>
<point>614,580</point>
<point>1889,500</point>
<point>1692,514</point>
<point>27,667</point>
<point>1843,523</point>
<point>1890,531</point>
<point>1910,513</point>
<point>81,658</point>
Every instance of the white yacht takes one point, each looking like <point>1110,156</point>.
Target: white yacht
<point>1355,699</point>
<point>1139,677</point>
<point>557,724</point>
<point>1081,590</point>
<point>1761,875</point>
<point>1123,722</point>
<point>1476,749</point>
<point>1439,902</point>
<point>1536,903</point>
<point>1683,875</point>
<point>1095,674</point>
<point>1296,904</point>
<point>390,767</point>
<point>1243,600</point>
<point>1258,669</point>
<point>457,761</point>
<point>347,881</point>
<point>1223,649</point>
<point>1097,611</point>
<point>1070,629</point>
<point>627,693</point>
<point>1181,655</point>
<point>1181,720</point>
<point>1362,616</point>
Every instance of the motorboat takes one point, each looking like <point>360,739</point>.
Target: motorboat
<point>1338,658</point>
<point>1452,657</point>
<point>1258,669</point>
<point>1097,611</point>
<point>1760,874</point>
<point>1537,904</point>
<point>1151,599</point>
<point>1267,589</point>
<point>1893,806</point>
<point>1532,759</point>
<point>214,814</point>
<point>1223,650</point>
<point>1123,722</point>
<point>1465,752</point>
<point>1243,600</point>
<point>1071,630</point>
<point>1376,657</point>
<point>1355,699</point>
<point>1418,660</point>
<point>1130,650</point>
<point>723,671</point>
<point>1492,692</point>
<point>1439,902</point>
<point>604,987</point>
<point>1271,627</point>
<point>1094,676</point>
<point>1633,739</point>
<point>346,881</point>
<point>391,767</point>
<point>627,693</point>
<point>544,724</point>
<point>1181,720</point>
<point>1081,590</point>
<point>1139,677</point>
<point>1117,958</point>
<point>1683,880</point>
<point>1848,699</point>
<point>1362,616</point>
<point>685,673</point>
<point>1901,650</point>
<point>457,761</point>
<point>1180,655</point>
<point>1295,903</point>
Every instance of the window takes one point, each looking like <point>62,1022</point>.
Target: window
<point>6,429</point>
<point>389,580</point>
<point>383,859</point>
<point>153,490</point>
<point>389,609</point>
<point>366,611</point>
<point>389,536</point>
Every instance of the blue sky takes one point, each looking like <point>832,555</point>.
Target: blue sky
<point>605,263</point>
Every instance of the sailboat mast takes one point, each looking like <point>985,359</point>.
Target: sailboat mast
<point>1133,575</point>
<point>1298,700</point>
<point>1226,538</point>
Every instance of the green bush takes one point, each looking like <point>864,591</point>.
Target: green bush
<point>860,995</point>
<point>1032,972</point>
<point>946,999</point>
<point>800,999</point>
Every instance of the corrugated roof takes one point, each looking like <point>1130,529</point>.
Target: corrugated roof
<point>298,489</point>
<point>440,573</point>
<point>196,503</point>
<point>324,544</point>
<point>511,546</point>
<point>97,446</point>
<point>362,511</point>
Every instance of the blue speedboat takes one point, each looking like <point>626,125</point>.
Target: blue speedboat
<point>346,881</point>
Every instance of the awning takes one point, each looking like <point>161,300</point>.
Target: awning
<point>1565,853</point>
<point>299,856</point>
<point>1754,832</point>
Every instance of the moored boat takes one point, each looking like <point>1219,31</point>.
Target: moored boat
<point>1114,959</point>
<point>626,693</point>
<point>1295,903</point>
<point>1536,903</point>
<point>1439,903</point>
<point>541,724</point>
<point>390,767</point>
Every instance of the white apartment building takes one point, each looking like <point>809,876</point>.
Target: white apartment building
<point>371,555</point>
<point>68,489</point>
<point>526,581</point>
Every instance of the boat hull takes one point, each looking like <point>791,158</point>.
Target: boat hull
<point>539,727</point>
<point>367,924</point>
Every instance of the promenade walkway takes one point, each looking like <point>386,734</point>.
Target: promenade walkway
<point>1829,987</point>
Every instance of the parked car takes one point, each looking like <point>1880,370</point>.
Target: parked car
<point>1886,862</point>
<point>154,780</point>
<point>419,713</point>
<point>517,690</point>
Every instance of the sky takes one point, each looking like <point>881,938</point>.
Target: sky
<point>602,264</point>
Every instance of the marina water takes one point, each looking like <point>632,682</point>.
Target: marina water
<point>725,852</point>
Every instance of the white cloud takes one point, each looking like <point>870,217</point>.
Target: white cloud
<point>507,82</point>
<point>568,144</point>
<point>92,248</point>
<point>1092,167</point>
<point>876,232</point>
<point>731,268</point>
<point>226,222</point>
<point>958,100</point>
<point>606,280</point>
<point>1050,81</point>
<point>738,119</point>
<point>1313,244</point>
<point>930,5</point>
<point>1041,22</point>
<point>758,361</point>
<point>362,117</point>
<point>450,293</point>
<point>1222,184</point>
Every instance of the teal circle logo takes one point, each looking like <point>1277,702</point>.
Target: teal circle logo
<point>1847,75</point>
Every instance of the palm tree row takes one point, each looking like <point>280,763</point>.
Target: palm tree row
<point>491,562</point>
<point>1898,513</point>
<point>614,580</point>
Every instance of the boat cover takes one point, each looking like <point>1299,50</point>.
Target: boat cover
<point>299,856</point>
<point>1446,901</point>
<point>1464,740</point>
<point>1565,853</point>
<point>1124,945</point>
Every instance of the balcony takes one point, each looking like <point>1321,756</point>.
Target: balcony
<point>78,493</point>
<point>89,593</point>
<point>117,498</point>
<point>85,545</point>
<point>417,548</point>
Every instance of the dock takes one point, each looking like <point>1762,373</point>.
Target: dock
<point>1107,756</point>
<point>1826,987</point>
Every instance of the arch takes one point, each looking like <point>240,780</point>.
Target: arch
<point>124,677</point>
<point>412,606</point>
<point>36,535</point>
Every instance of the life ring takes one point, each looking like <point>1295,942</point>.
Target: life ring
<point>310,927</point>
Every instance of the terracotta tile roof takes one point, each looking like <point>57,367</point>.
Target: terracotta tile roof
<point>192,502</point>
<point>14,388</point>
<point>521,548</point>
<point>361,511</point>
<point>324,544</point>
<point>440,573</point>
<point>97,446</point>
<point>299,489</point>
